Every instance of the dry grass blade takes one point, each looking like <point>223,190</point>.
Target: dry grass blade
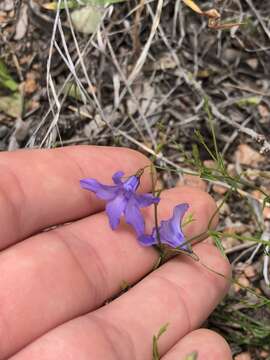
<point>213,16</point>
<point>140,62</point>
<point>193,6</point>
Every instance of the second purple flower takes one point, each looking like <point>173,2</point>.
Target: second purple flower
<point>169,232</point>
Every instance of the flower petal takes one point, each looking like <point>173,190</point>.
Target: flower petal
<point>117,177</point>
<point>178,214</point>
<point>104,192</point>
<point>134,217</point>
<point>170,231</point>
<point>131,184</point>
<point>168,236</point>
<point>146,200</point>
<point>114,210</point>
<point>147,240</point>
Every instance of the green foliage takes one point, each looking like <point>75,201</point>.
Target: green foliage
<point>72,90</point>
<point>219,171</point>
<point>11,101</point>
<point>217,239</point>
<point>192,356</point>
<point>12,104</point>
<point>155,352</point>
<point>266,200</point>
<point>256,240</point>
<point>73,4</point>
<point>188,219</point>
<point>6,81</point>
<point>250,101</point>
<point>240,328</point>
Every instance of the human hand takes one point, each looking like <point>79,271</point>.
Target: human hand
<point>54,283</point>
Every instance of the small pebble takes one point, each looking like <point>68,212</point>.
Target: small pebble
<point>242,280</point>
<point>219,189</point>
<point>243,356</point>
<point>225,208</point>
<point>236,228</point>
<point>230,55</point>
<point>263,111</point>
<point>210,164</point>
<point>229,242</point>
<point>231,170</point>
<point>193,181</point>
<point>246,155</point>
<point>253,63</point>
<point>256,193</point>
<point>250,271</point>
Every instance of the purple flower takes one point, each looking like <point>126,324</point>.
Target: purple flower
<point>122,199</point>
<point>170,232</point>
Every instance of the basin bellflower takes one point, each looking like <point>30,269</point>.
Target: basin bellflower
<point>170,231</point>
<point>122,199</point>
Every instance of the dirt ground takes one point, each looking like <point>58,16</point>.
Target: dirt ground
<point>155,77</point>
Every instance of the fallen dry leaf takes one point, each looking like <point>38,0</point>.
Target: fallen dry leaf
<point>263,111</point>
<point>236,228</point>
<point>257,194</point>
<point>25,59</point>
<point>229,242</point>
<point>248,156</point>
<point>32,105</point>
<point>3,16</point>
<point>7,5</point>
<point>12,104</point>
<point>22,24</point>
<point>30,85</point>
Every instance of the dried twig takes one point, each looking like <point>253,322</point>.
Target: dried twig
<point>257,14</point>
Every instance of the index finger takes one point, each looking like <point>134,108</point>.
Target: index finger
<point>40,188</point>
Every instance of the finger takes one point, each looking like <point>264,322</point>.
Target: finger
<point>40,188</point>
<point>206,343</point>
<point>74,269</point>
<point>180,293</point>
